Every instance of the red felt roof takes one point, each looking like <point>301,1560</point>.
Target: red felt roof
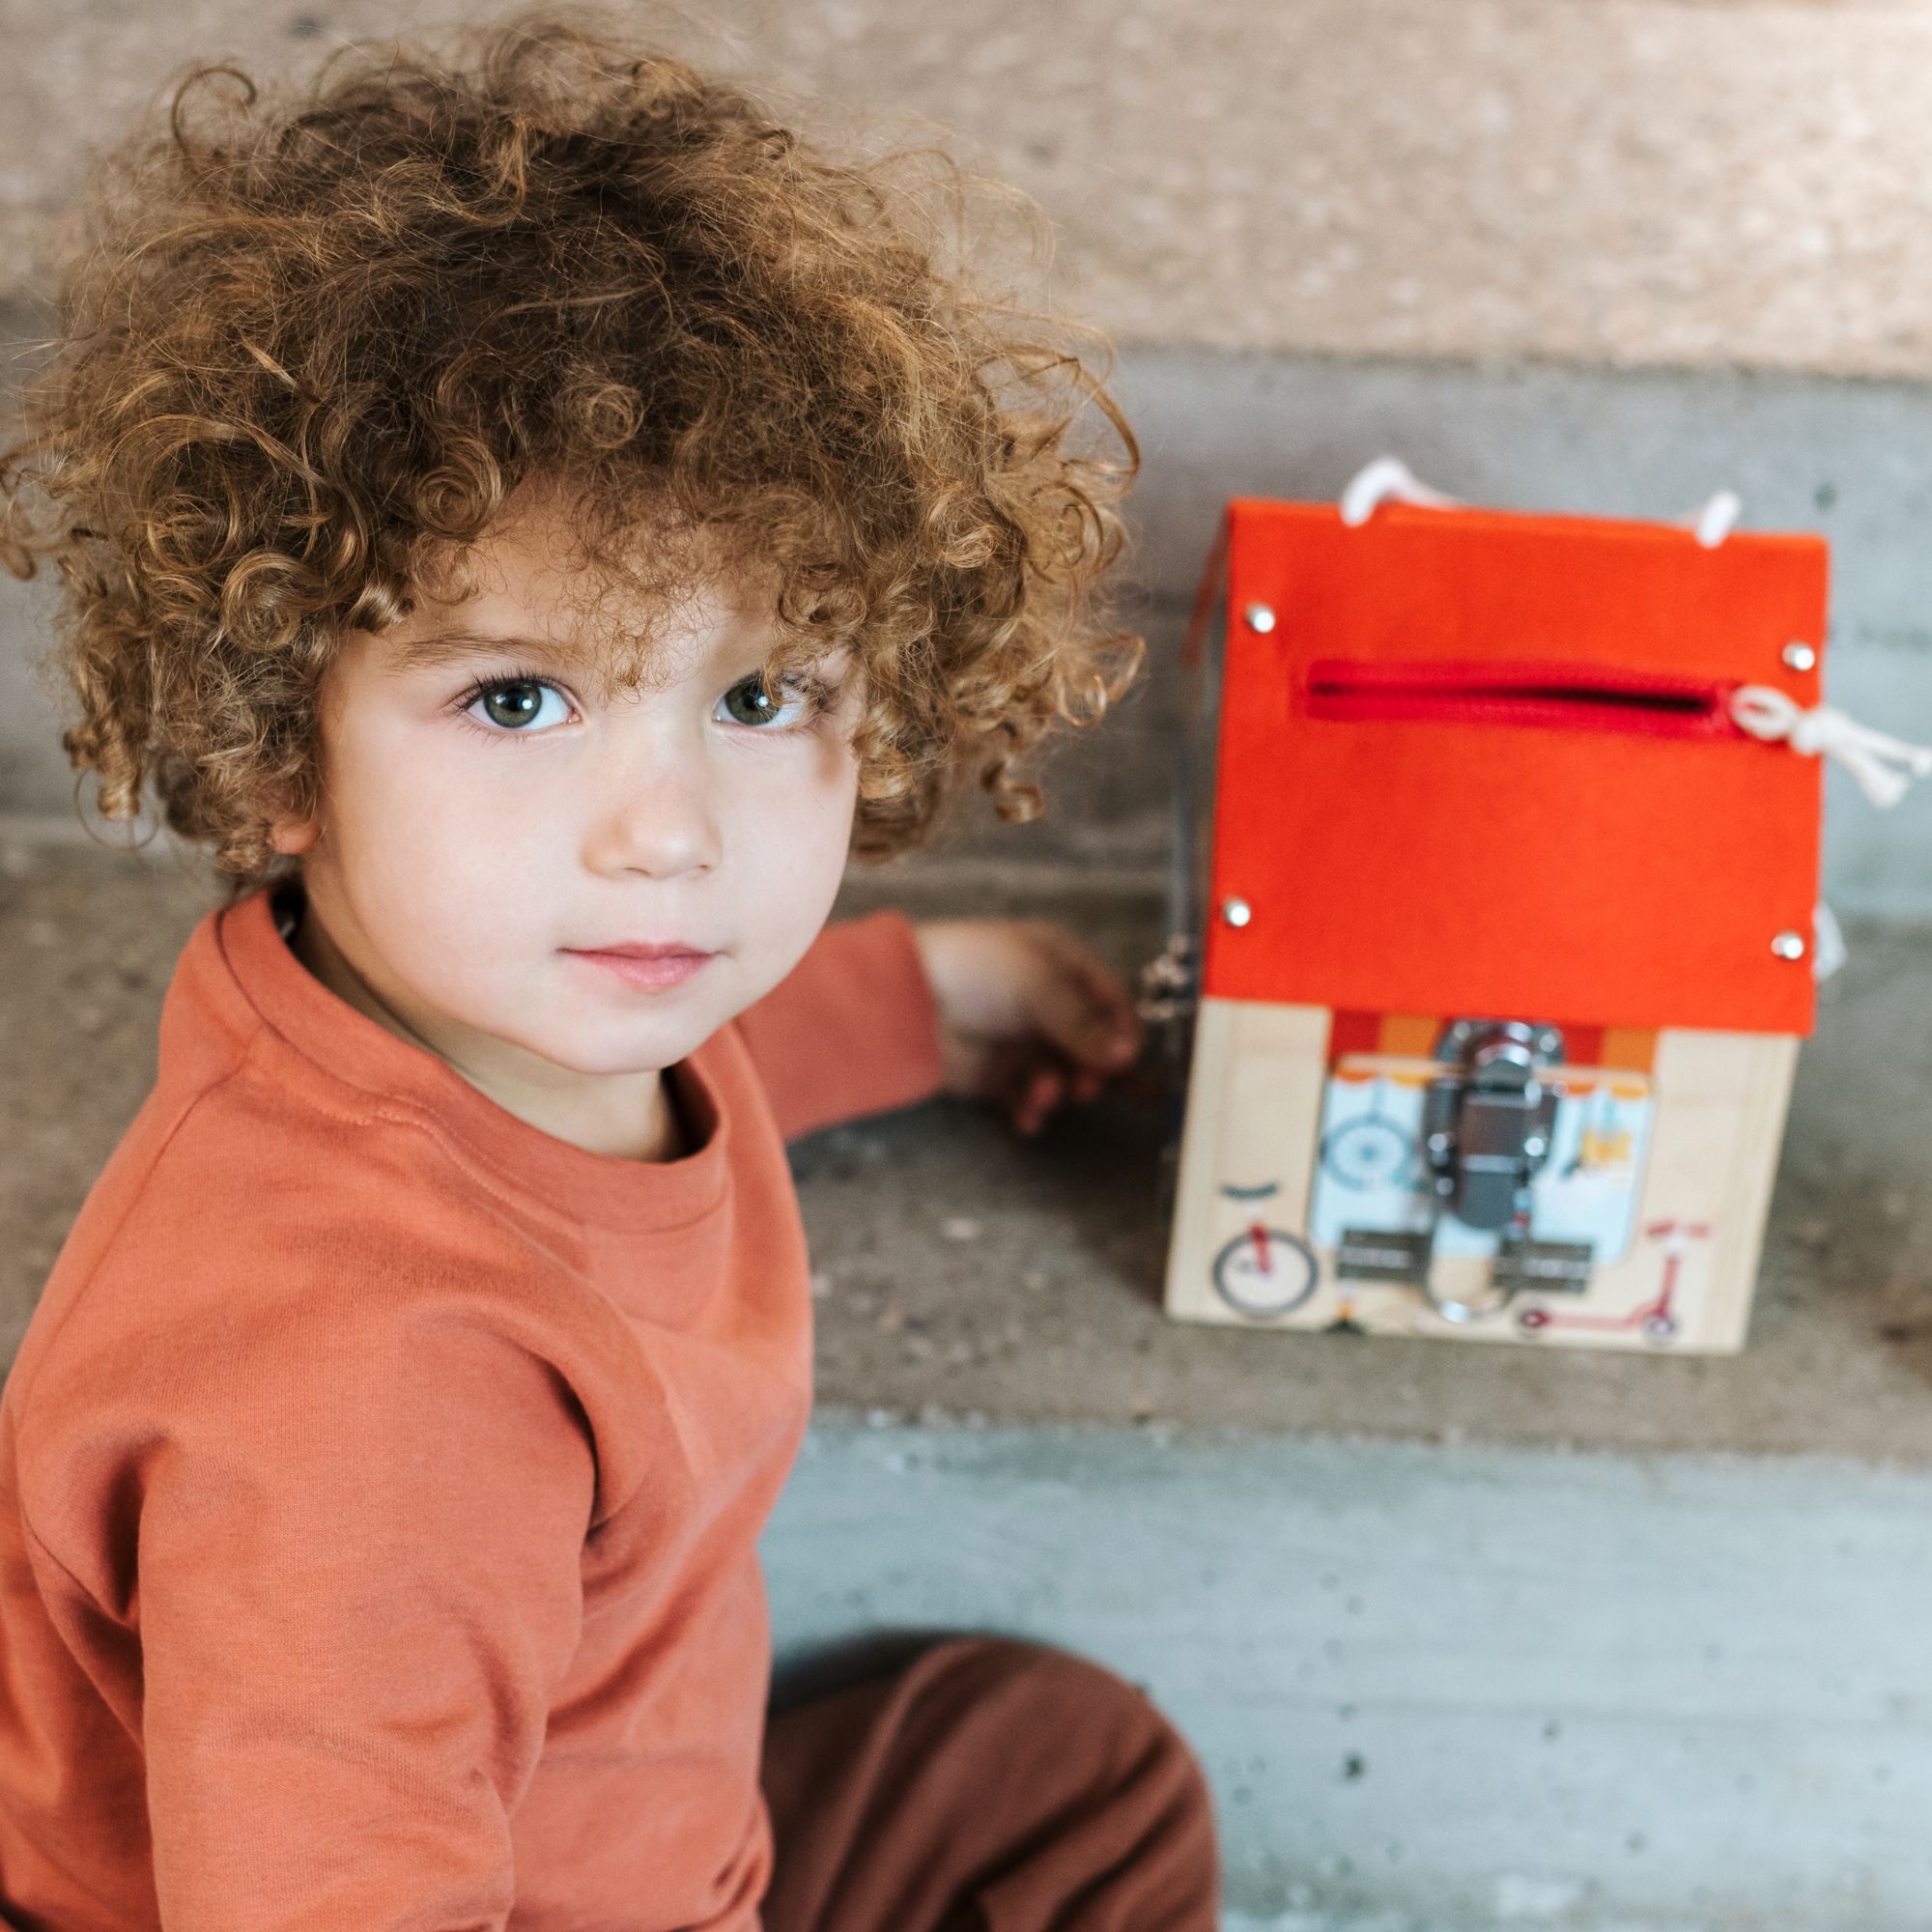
<point>1481,765</point>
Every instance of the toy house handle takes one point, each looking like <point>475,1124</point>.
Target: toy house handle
<point>1388,478</point>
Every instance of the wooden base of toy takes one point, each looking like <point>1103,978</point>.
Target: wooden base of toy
<point>1248,1160</point>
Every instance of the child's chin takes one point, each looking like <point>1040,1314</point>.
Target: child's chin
<point>611,1048</point>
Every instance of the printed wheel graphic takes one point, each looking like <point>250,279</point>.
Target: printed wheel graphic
<point>1266,1272</point>
<point>1659,1327</point>
<point>1369,1152</point>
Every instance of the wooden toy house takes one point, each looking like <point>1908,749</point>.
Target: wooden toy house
<point>1505,924</point>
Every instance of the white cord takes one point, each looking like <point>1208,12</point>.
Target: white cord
<point>1713,522</point>
<point>1829,951</point>
<point>1884,766</point>
<point>1388,476</point>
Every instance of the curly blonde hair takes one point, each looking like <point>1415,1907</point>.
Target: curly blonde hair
<point>314,340</point>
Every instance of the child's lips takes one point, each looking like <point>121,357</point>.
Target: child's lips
<point>648,967</point>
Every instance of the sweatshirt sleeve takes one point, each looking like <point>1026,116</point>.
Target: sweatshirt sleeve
<point>359,1584</point>
<point>852,1030</point>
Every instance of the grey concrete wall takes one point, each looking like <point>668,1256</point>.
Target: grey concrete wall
<point>1851,458</point>
<point>1439,1690</point>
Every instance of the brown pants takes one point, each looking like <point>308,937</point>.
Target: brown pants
<point>985,1785</point>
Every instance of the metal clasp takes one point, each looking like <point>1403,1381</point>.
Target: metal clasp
<point>1486,1127</point>
<point>1168,990</point>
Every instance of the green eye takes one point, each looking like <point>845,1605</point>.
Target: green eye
<point>514,706</point>
<point>749,701</point>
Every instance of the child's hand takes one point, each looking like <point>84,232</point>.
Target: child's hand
<point>1029,1015</point>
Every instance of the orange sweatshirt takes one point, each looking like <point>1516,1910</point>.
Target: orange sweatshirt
<point>380,1476</point>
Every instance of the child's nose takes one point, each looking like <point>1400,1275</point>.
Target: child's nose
<point>657,820</point>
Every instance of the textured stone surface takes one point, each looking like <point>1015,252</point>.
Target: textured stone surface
<point>1737,181</point>
<point>965,1271</point>
<point>1442,1690</point>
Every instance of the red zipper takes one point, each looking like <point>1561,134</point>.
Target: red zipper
<point>1542,695</point>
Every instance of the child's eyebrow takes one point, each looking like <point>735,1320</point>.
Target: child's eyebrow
<point>452,646</point>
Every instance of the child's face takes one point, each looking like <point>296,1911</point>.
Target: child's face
<point>480,832</point>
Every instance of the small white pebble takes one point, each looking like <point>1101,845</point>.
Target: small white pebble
<point>959,1228</point>
<point>821,1285</point>
<point>878,1418</point>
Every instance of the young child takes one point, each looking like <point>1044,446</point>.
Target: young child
<point>531,517</point>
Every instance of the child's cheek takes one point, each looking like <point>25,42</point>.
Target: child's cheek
<point>790,832</point>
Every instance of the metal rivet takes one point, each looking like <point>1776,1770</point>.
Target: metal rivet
<point>1260,618</point>
<point>1789,945</point>
<point>1800,656</point>
<point>1236,912</point>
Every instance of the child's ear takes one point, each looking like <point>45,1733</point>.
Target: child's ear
<point>291,836</point>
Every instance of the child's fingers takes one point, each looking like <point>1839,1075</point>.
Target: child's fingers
<point>1082,1006</point>
<point>1038,1090</point>
<point>1037,1098</point>
<point>1114,1007</point>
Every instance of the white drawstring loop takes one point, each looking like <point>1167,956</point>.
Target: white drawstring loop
<point>1829,951</point>
<point>1388,476</point>
<point>1716,520</point>
<point>1390,479</point>
<point>1883,765</point>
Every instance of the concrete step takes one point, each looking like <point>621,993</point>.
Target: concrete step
<point>1444,1691</point>
<point>1599,180</point>
<point>967,1272</point>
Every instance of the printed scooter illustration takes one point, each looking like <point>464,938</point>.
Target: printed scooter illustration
<point>1655,1317</point>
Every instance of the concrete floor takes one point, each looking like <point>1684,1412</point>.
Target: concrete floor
<point>965,1272</point>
